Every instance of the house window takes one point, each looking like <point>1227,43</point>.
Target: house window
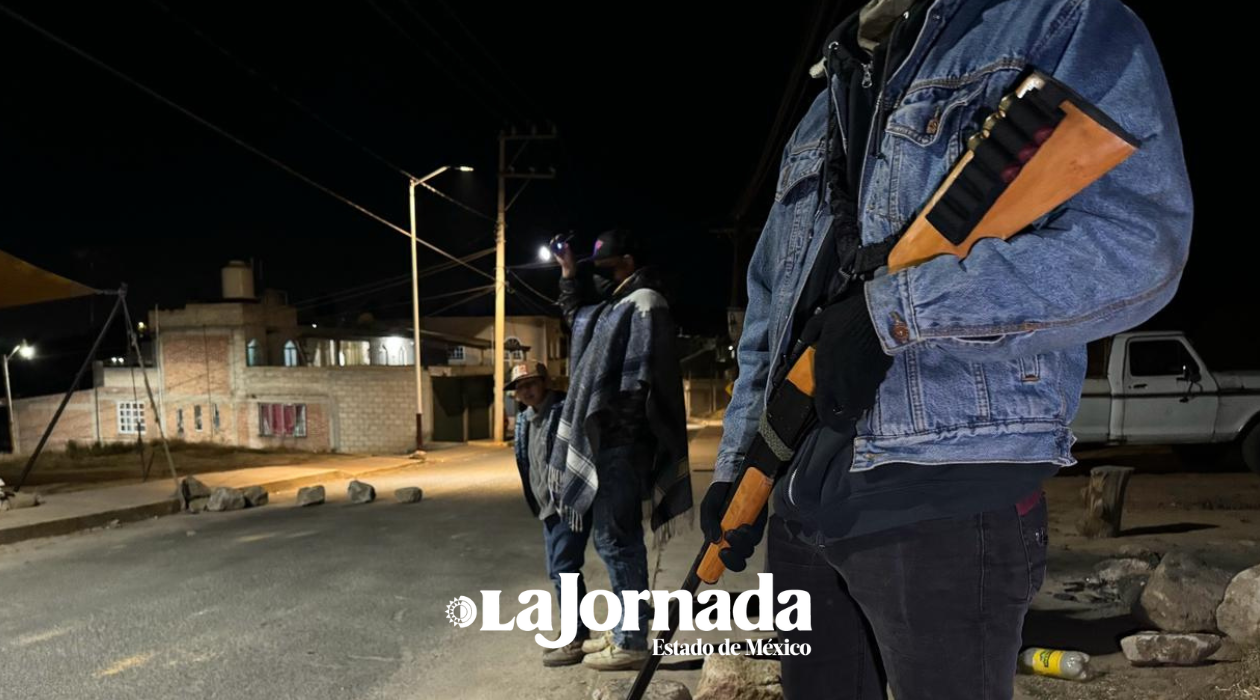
<point>131,417</point>
<point>455,353</point>
<point>179,421</point>
<point>197,418</point>
<point>290,354</point>
<point>253,353</point>
<point>214,416</point>
<point>382,357</point>
<point>282,419</point>
<point>513,349</point>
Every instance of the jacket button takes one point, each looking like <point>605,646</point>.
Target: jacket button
<point>900,332</point>
<point>933,126</point>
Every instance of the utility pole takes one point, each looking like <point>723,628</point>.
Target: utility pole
<point>507,171</point>
<point>500,295</point>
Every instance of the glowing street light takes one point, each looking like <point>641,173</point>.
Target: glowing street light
<point>26,352</point>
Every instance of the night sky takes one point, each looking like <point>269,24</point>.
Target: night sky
<point>666,123</point>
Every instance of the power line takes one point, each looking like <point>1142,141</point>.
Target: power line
<point>468,66</point>
<point>348,290</point>
<point>535,291</point>
<point>254,73</point>
<point>274,87</point>
<point>454,201</point>
<point>539,265</point>
<point>213,127</point>
<point>382,285</point>
<point>534,305</point>
<point>446,295</point>
<point>461,302</point>
<point>420,46</point>
<point>476,42</point>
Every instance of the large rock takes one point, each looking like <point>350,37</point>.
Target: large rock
<point>1169,649</point>
<point>14,501</point>
<point>192,489</point>
<point>1138,551</point>
<point>657,690</point>
<point>310,496</point>
<point>198,505</point>
<point>1113,571</point>
<point>1183,594</point>
<point>1239,613</point>
<point>739,678</point>
<point>411,494</point>
<point>256,496</point>
<point>1129,590</point>
<point>360,492</point>
<point>225,498</point>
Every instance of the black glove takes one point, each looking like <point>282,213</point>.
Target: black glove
<point>742,540</point>
<point>849,362</point>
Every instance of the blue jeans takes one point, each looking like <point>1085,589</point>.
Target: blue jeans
<point>935,609</point>
<point>566,553</point>
<point>617,522</point>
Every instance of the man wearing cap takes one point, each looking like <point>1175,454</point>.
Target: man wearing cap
<point>535,435</point>
<point>622,437</point>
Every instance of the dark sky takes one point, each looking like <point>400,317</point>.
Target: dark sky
<point>664,118</point>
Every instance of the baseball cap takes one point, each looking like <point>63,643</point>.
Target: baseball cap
<point>616,243</point>
<point>526,370</point>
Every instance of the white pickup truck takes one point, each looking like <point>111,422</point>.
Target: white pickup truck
<point>1152,387</point>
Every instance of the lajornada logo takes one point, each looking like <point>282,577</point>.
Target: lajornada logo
<point>716,613</point>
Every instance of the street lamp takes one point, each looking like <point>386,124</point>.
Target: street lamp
<point>26,352</point>
<point>415,296</point>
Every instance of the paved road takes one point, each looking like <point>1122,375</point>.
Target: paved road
<point>348,602</point>
<point>335,601</point>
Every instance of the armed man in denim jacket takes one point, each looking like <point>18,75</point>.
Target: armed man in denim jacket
<point>914,513</point>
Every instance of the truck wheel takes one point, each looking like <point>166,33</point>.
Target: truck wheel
<point>1251,448</point>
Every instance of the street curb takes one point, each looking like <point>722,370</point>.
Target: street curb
<point>170,506</point>
<point>383,470</point>
<point>77,523</point>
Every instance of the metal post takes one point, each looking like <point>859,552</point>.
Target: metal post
<point>87,362</point>
<point>157,416</point>
<point>415,322</point>
<point>8,402</point>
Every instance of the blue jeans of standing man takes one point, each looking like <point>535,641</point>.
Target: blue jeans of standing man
<point>617,522</point>
<point>566,553</point>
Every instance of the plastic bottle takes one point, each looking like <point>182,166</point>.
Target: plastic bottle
<point>1056,663</point>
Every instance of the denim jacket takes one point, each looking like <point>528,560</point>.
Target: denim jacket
<point>989,351</point>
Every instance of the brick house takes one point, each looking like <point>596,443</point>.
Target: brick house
<point>244,372</point>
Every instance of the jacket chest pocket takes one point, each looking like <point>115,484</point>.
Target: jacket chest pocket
<point>928,131</point>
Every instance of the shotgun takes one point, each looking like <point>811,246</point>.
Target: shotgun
<point>1044,144</point>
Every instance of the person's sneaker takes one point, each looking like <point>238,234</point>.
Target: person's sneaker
<point>594,645</point>
<point>566,655</point>
<point>614,658</point>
